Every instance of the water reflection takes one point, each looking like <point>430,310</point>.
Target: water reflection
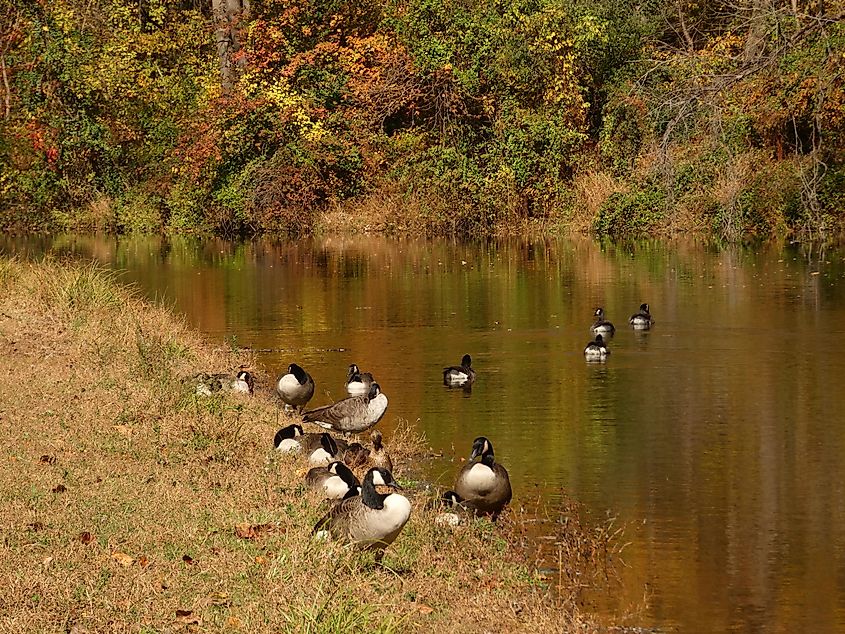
<point>718,434</point>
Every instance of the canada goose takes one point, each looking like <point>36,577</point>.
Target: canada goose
<point>319,448</point>
<point>243,382</point>
<point>296,387</point>
<point>484,486</point>
<point>354,414</point>
<point>357,382</point>
<point>459,374</point>
<point>596,350</point>
<point>601,325</point>
<point>336,480</point>
<point>641,320</point>
<point>370,521</point>
<point>452,510</point>
<point>208,384</point>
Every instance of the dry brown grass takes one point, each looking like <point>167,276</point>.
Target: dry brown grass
<point>591,190</point>
<point>129,504</point>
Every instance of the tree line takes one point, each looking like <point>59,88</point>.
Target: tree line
<point>616,118</point>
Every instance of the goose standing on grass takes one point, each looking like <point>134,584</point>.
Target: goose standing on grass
<point>358,382</point>
<point>596,350</point>
<point>336,480</point>
<point>320,449</point>
<point>296,387</point>
<point>601,326</point>
<point>458,375</point>
<point>352,415</point>
<point>370,521</point>
<point>484,486</point>
<point>641,320</point>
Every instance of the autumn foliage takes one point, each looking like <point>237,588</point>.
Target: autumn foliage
<point>457,117</point>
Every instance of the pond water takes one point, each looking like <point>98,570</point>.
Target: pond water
<point>718,437</point>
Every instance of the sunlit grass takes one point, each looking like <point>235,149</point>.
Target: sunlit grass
<point>132,503</point>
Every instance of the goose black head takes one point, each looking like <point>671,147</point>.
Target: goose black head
<point>291,431</point>
<point>377,476</point>
<point>380,476</point>
<point>298,373</point>
<point>644,308</point>
<point>328,443</point>
<point>243,375</point>
<point>351,372</point>
<point>344,473</point>
<point>375,390</point>
<point>481,447</point>
<point>599,313</point>
<point>450,499</point>
<point>466,361</point>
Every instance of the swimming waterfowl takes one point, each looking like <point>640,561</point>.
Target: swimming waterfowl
<point>370,521</point>
<point>354,414</point>
<point>596,350</point>
<point>296,387</point>
<point>641,320</point>
<point>459,374</point>
<point>336,480</point>
<point>601,325</point>
<point>483,486</point>
<point>358,382</point>
<point>320,449</point>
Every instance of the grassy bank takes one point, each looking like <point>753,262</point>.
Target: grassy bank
<point>128,504</point>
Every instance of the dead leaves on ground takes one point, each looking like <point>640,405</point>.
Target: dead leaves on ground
<point>245,530</point>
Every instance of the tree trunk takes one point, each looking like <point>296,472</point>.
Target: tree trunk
<point>227,14</point>
<point>755,43</point>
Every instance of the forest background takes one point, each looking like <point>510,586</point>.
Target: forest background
<point>436,117</point>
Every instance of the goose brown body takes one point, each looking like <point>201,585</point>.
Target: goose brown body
<point>354,414</point>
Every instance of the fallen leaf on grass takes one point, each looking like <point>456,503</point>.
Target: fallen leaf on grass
<point>188,560</point>
<point>186,617</point>
<point>35,526</point>
<point>219,598</point>
<point>260,560</point>
<point>85,537</point>
<point>59,488</point>
<point>47,459</point>
<point>425,609</point>
<point>123,559</point>
<point>234,621</point>
<point>143,561</point>
<point>245,530</point>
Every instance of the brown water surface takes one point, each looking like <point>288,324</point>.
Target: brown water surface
<point>718,436</point>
